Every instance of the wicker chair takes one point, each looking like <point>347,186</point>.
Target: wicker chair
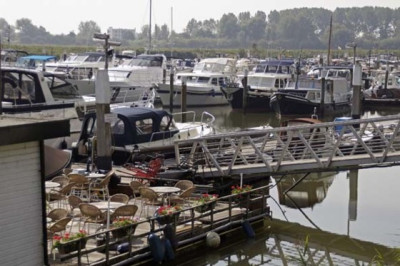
<point>57,214</point>
<point>63,180</point>
<point>74,202</point>
<point>148,198</point>
<point>81,187</point>
<point>126,211</point>
<point>184,184</point>
<point>101,187</point>
<point>58,226</point>
<point>120,197</point>
<point>135,185</point>
<point>91,215</point>
<point>183,197</point>
<point>60,194</point>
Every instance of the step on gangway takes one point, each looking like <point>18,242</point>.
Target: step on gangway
<point>328,146</point>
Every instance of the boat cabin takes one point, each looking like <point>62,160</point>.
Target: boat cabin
<point>275,66</point>
<point>130,126</point>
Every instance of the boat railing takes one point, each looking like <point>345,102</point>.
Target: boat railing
<point>190,225</point>
<point>189,115</point>
<point>207,118</point>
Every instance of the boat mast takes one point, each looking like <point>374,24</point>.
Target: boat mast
<point>150,28</point>
<point>329,42</point>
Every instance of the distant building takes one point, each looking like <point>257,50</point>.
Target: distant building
<point>121,34</point>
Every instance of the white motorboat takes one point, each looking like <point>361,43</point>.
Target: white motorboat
<point>203,85</point>
<point>142,130</point>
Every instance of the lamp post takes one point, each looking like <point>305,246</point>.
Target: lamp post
<point>103,92</point>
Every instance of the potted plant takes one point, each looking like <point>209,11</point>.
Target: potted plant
<point>167,214</point>
<point>205,202</point>
<point>123,226</point>
<point>69,242</point>
<point>251,201</point>
<point>240,189</point>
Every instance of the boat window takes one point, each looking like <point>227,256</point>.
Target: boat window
<point>279,83</point>
<point>60,89</point>
<point>93,58</point>
<point>203,80</point>
<point>90,126</point>
<point>266,82</point>
<point>19,87</point>
<point>214,81</point>
<point>144,126</point>
<point>165,122</point>
<point>118,127</point>
<point>221,81</point>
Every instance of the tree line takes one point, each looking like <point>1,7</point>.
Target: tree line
<point>299,28</point>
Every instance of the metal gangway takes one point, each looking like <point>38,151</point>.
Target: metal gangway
<point>330,146</point>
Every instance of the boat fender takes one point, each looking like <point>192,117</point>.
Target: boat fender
<point>170,234</point>
<point>213,240</point>
<point>169,251</point>
<point>248,229</point>
<point>157,248</point>
<point>122,248</point>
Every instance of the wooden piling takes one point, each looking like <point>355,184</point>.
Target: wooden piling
<point>183,99</point>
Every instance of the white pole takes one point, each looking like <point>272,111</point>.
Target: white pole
<point>241,180</point>
<point>108,214</point>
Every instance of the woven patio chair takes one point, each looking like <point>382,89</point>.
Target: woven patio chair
<point>91,215</point>
<point>120,197</point>
<point>101,187</point>
<point>148,198</point>
<point>184,184</point>
<point>57,214</point>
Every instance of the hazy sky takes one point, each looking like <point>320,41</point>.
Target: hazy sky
<point>63,16</point>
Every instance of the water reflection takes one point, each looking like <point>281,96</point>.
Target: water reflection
<point>304,190</point>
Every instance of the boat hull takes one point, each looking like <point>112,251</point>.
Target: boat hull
<point>287,104</point>
<point>195,97</point>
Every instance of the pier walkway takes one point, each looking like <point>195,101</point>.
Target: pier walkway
<point>328,146</point>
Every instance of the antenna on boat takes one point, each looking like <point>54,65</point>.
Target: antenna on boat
<point>150,27</point>
<point>298,71</point>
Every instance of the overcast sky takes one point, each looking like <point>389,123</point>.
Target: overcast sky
<point>64,16</point>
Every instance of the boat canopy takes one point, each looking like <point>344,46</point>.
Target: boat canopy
<point>39,57</point>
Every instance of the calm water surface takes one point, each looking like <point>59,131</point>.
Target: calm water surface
<point>350,218</point>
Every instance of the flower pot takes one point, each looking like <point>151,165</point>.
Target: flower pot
<point>253,203</point>
<point>68,247</point>
<point>120,232</point>
<point>167,219</point>
<point>205,207</point>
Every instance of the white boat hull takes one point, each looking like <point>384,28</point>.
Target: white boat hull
<point>195,96</point>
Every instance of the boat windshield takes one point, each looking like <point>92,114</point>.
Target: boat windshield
<point>147,61</point>
<point>60,89</point>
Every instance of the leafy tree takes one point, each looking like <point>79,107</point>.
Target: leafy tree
<point>86,30</point>
<point>228,26</point>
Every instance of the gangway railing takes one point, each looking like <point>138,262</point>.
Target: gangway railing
<point>317,147</point>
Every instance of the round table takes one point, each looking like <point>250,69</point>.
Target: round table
<point>164,191</point>
<point>95,175</point>
<point>50,184</point>
<point>103,205</point>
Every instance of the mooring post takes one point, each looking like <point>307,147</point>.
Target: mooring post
<point>171,91</point>
<point>183,99</point>
<point>164,75</point>
<point>323,89</point>
<point>244,83</point>
<point>357,82</point>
